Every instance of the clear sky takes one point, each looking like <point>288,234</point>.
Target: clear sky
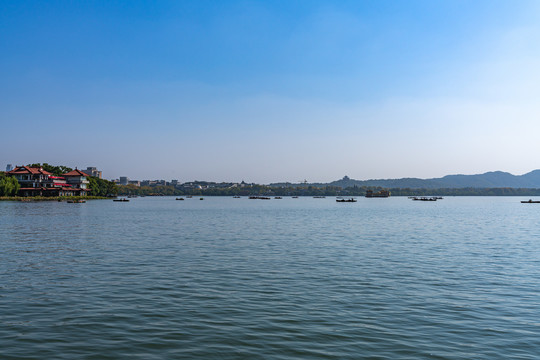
<point>267,91</point>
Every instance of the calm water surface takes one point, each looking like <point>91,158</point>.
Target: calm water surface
<point>301,278</point>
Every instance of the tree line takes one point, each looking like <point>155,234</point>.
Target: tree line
<point>320,191</point>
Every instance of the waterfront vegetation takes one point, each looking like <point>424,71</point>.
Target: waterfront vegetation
<point>9,186</point>
<point>102,187</point>
<point>319,191</point>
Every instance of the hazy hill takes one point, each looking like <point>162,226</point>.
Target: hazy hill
<point>493,179</point>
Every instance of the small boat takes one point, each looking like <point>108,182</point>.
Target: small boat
<point>319,197</point>
<point>201,199</point>
<point>378,194</point>
<point>346,200</point>
<point>76,201</point>
<point>530,201</point>
<point>121,200</point>
<point>259,198</point>
<point>424,198</point>
<point>189,196</point>
<point>179,198</point>
<point>295,197</point>
<point>236,197</point>
<point>278,197</point>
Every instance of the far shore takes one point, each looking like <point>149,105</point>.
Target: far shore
<point>66,198</point>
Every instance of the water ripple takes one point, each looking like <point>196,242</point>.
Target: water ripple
<point>290,279</point>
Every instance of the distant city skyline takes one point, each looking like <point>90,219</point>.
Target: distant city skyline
<point>272,91</point>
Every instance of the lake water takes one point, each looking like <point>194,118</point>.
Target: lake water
<point>301,278</point>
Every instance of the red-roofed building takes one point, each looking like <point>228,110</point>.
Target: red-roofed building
<point>77,179</point>
<point>39,182</point>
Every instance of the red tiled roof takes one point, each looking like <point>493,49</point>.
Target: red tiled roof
<point>75,172</point>
<point>28,170</point>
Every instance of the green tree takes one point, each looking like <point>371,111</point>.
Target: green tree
<point>101,187</point>
<point>9,186</point>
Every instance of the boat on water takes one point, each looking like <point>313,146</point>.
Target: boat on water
<point>189,196</point>
<point>259,198</point>
<point>295,197</point>
<point>530,201</point>
<point>76,201</point>
<point>278,197</point>
<point>236,197</point>
<point>121,200</point>
<point>179,198</point>
<point>319,197</point>
<point>378,194</point>
<point>346,200</point>
<point>423,198</point>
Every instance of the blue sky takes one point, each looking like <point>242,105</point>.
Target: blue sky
<point>268,91</point>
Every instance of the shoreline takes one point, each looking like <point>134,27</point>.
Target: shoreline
<point>50,198</point>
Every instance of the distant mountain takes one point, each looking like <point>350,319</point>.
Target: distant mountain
<point>493,179</point>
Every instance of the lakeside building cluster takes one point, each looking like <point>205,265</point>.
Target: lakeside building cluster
<point>39,182</point>
<point>36,181</point>
<point>192,185</point>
